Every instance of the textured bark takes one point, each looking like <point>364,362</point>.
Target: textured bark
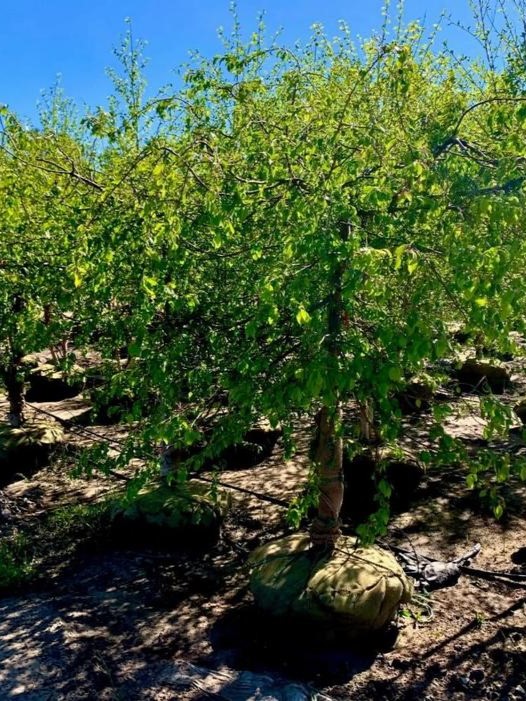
<point>366,422</point>
<point>325,529</point>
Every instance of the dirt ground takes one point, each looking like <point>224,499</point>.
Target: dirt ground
<point>134,623</point>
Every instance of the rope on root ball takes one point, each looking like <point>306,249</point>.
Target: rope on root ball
<point>325,529</point>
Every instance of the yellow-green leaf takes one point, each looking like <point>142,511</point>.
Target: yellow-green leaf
<point>303,316</point>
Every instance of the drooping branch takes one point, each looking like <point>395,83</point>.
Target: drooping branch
<point>481,103</point>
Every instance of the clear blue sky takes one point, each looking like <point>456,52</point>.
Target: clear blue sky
<point>42,38</point>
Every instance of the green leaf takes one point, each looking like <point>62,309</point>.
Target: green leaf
<point>471,480</point>
<point>395,374</point>
<point>398,254</point>
<point>217,240</point>
<point>385,488</point>
<point>315,383</point>
<point>303,317</point>
<point>425,457</point>
<point>412,266</point>
<point>77,278</point>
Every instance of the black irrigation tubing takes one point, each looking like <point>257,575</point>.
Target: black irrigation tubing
<point>516,578</point>
<point>86,431</point>
<point>243,490</point>
<point>74,428</point>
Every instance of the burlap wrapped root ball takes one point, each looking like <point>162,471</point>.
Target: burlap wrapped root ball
<point>173,515</point>
<point>350,591</point>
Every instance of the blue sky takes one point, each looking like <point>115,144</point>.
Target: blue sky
<point>42,38</point>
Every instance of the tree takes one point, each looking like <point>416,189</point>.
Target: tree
<point>45,183</point>
<point>310,227</point>
<point>303,231</point>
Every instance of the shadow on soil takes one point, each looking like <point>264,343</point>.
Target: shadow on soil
<point>496,657</point>
<point>244,638</point>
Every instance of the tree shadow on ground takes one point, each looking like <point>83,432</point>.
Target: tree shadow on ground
<point>246,638</point>
<point>444,505</point>
<point>63,646</point>
<point>489,668</point>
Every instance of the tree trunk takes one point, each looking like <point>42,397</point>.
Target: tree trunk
<point>14,384</point>
<point>368,433</point>
<point>325,529</point>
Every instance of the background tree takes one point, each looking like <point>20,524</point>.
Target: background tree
<point>45,184</point>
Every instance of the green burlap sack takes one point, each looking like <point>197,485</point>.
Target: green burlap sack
<point>164,512</point>
<point>351,590</point>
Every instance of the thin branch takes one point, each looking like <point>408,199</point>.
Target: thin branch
<point>488,101</point>
<point>73,173</point>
